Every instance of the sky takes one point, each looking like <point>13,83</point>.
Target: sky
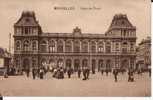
<point>90,21</point>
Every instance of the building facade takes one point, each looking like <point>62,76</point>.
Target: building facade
<point>35,48</point>
<point>143,51</point>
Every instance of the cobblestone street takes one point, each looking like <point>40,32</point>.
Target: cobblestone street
<point>97,85</point>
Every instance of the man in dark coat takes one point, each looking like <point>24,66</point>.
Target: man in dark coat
<point>84,73</point>
<point>34,73</point>
<point>115,72</point>
<point>41,73</point>
<point>28,72</point>
<point>79,72</point>
<point>87,72</point>
<point>69,72</point>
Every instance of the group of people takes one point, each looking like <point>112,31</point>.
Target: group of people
<point>83,73</point>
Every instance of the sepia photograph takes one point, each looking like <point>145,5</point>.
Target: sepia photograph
<point>75,48</point>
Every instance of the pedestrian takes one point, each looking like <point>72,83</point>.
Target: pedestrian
<point>41,73</point>
<point>84,73</point>
<point>79,72</point>
<point>149,72</point>
<point>93,70</point>
<point>61,73</point>
<point>28,72</point>
<point>130,76</point>
<point>69,72</point>
<point>102,71</point>
<point>106,72</point>
<point>34,73</point>
<point>87,72</point>
<point>115,72</point>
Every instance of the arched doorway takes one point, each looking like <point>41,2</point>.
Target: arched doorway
<point>68,63</point>
<point>52,63</point>
<point>26,64</point>
<point>124,64</point>
<point>93,66</point>
<point>100,64</point>
<point>76,64</point>
<point>108,65</point>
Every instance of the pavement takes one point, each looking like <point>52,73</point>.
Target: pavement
<point>97,85</point>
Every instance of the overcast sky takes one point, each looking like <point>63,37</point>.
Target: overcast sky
<point>90,21</point>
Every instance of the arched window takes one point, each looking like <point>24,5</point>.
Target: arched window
<point>52,46</point>
<point>108,47</point>
<point>59,46</point>
<point>93,47</point>
<point>125,47</point>
<point>18,45</point>
<point>26,45</point>
<point>68,46</point>
<point>43,46</point>
<point>34,45</point>
<point>100,47</point>
<point>76,46</point>
<point>84,46</point>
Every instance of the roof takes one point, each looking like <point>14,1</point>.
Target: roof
<point>121,21</point>
<point>27,19</point>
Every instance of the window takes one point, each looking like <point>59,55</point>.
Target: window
<point>34,45</point>
<point>76,46</point>
<point>84,46</point>
<point>26,45</point>
<point>43,46</point>
<point>108,47</point>
<point>18,45</point>
<point>68,46</point>
<point>52,46</point>
<point>132,47</point>
<point>124,48</point>
<point>60,46</point>
<point>100,47</point>
<point>93,47</point>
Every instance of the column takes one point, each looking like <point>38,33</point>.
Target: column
<point>96,46</point>
<point>64,46</point>
<point>89,46</point>
<point>72,45</point>
<point>55,45</point>
<point>80,45</point>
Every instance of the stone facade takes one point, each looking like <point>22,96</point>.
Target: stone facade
<point>143,51</point>
<point>113,49</point>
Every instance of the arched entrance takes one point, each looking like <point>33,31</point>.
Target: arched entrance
<point>52,63</point>
<point>26,64</point>
<point>76,64</point>
<point>100,64</point>
<point>68,63</point>
<point>124,64</point>
<point>108,65</point>
<point>93,66</point>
